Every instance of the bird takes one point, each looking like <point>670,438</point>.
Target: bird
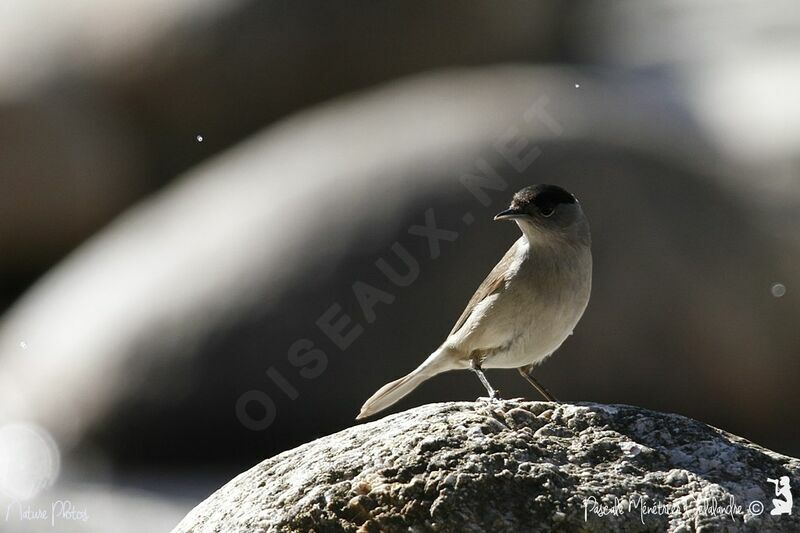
<point>525,308</point>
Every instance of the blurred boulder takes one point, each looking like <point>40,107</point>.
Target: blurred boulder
<point>102,103</point>
<point>736,65</point>
<point>67,167</point>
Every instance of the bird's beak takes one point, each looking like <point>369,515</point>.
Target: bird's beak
<point>508,214</point>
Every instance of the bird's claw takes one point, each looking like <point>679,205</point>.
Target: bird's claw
<point>493,398</point>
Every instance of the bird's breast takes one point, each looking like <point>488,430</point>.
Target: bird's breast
<point>541,305</point>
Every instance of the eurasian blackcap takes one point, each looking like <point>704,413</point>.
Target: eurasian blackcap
<point>527,305</point>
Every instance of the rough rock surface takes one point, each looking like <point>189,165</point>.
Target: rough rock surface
<point>510,466</point>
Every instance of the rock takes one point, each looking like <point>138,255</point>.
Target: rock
<point>509,466</point>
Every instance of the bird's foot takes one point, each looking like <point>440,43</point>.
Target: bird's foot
<point>495,397</point>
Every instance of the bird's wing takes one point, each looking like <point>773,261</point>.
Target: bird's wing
<point>494,282</point>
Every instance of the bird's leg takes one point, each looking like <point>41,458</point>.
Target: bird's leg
<point>527,373</point>
<point>475,366</point>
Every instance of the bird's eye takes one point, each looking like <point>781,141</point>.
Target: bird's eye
<point>547,211</point>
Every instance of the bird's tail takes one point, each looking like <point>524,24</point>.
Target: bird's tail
<point>396,390</point>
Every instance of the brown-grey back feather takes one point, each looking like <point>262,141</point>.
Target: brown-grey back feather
<point>494,282</point>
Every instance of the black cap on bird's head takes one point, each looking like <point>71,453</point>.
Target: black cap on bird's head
<point>537,202</point>
<point>546,212</point>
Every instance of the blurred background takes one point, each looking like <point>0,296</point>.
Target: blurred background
<point>200,203</point>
